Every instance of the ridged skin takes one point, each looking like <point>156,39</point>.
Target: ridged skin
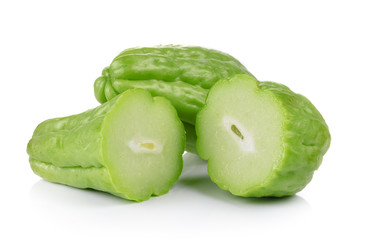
<point>69,150</point>
<point>93,177</point>
<point>306,139</point>
<point>71,141</point>
<point>182,74</point>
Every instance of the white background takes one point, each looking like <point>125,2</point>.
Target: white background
<point>52,51</point>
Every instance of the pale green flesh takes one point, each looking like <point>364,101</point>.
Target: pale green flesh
<point>141,144</point>
<point>240,132</point>
<point>131,147</point>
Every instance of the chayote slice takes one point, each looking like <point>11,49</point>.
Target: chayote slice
<point>131,147</point>
<point>260,138</point>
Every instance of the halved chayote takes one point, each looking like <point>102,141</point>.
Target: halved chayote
<point>260,138</point>
<point>131,147</point>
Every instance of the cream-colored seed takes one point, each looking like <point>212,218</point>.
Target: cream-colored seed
<point>144,146</point>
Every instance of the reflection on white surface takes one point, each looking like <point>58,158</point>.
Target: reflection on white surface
<point>56,194</point>
<point>193,193</point>
<point>194,208</point>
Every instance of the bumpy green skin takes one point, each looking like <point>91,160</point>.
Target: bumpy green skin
<point>69,150</point>
<point>306,139</point>
<point>182,74</point>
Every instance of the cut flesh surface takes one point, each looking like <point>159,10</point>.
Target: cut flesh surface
<point>240,132</point>
<point>130,146</point>
<point>142,145</point>
<point>260,138</point>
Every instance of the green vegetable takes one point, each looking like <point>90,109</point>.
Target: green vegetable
<point>260,138</point>
<point>181,74</point>
<point>131,147</point>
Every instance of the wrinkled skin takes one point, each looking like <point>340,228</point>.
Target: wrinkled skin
<point>182,74</point>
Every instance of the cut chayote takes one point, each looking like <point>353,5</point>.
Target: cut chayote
<point>260,138</point>
<point>131,147</point>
